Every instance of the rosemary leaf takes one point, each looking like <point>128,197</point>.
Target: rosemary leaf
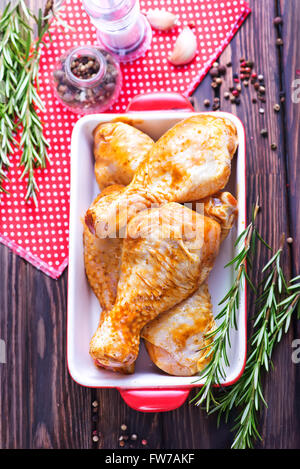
<point>271,321</point>
<point>214,372</point>
<point>19,99</point>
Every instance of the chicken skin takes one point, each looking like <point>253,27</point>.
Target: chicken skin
<point>103,262</point>
<point>190,161</point>
<point>167,253</point>
<point>222,207</point>
<point>175,339</point>
<point>119,148</point>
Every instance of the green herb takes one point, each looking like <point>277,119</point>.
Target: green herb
<point>275,307</point>
<point>19,99</point>
<point>214,372</point>
<point>272,319</point>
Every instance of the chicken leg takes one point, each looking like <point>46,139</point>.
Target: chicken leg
<point>119,148</point>
<point>190,161</point>
<point>167,253</point>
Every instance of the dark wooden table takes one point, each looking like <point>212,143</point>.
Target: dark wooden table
<point>41,407</point>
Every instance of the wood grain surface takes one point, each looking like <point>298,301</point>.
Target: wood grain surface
<point>41,407</point>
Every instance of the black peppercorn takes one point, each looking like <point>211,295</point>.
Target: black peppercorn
<point>264,132</point>
<point>278,20</point>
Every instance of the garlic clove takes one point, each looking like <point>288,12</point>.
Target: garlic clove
<point>161,19</point>
<point>185,48</point>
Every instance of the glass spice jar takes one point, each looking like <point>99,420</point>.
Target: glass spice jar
<point>87,79</point>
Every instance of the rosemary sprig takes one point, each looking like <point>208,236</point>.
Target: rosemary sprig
<point>11,49</point>
<point>20,103</point>
<point>214,372</point>
<point>273,318</point>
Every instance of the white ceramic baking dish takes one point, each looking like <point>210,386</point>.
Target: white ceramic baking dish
<point>148,389</point>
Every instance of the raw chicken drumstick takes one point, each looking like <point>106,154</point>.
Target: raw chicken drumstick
<point>190,161</point>
<point>102,260</point>
<point>175,339</point>
<point>168,252</point>
<point>119,148</point>
<point>102,263</point>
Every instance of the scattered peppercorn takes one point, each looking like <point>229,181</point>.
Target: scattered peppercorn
<point>282,99</point>
<point>206,102</point>
<point>254,100</point>
<point>261,110</point>
<point>222,69</point>
<point>144,442</point>
<point>226,95</point>
<point>133,437</point>
<point>214,72</point>
<point>123,427</point>
<point>279,41</point>
<point>95,404</point>
<point>214,84</point>
<point>260,77</point>
<point>262,89</point>
<point>219,81</point>
<point>278,20</point>
<point>246,83</point>
<point>276,107</point>
<point>122,443</point>
<point>264,132</point>
<point>229,64</point>
<point>95,438</point>
<point>273,146</point>
<point>289,240</point>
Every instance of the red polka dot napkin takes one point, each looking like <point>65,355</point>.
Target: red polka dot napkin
<point>40,234</point>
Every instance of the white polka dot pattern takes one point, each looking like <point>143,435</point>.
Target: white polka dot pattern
<point>40,234</point>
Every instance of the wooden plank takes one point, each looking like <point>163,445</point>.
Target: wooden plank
<point>41,407</point>
<point>113,412</point>
<point>290,70</point>
<point>266,178</point>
